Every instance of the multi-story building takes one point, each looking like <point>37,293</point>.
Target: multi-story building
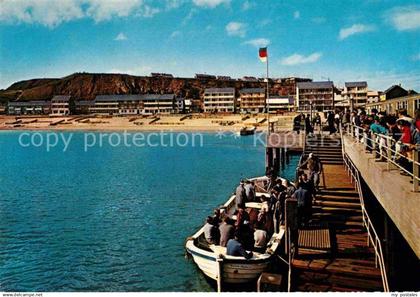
<point>355,93</point>
<point>83,106</point>
<point>279,104</point>
<point>373,96</point>
<point>252,100</point>
<point>158,104</point>
<point>36,107</point>
<point>60,105</point>
<point>219,100</point>
<point>339,100</point>
<point>117,105</point>
<point>318,94</point>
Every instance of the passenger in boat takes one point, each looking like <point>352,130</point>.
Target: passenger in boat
<point>246,235</point>
<point>250,191</point>
<point>240,196</point>
<point>217,217</point>
<point>211,231</point>
<point>262,216</point>
<point>278,187</point>
<point>278,214</point>
<point>303,198</point>
<point>234,247</point>
<point>264,203</point>
<point>260,238</point>
<point>241,216</point>
<point>226,230</point>
<point>289,188</point>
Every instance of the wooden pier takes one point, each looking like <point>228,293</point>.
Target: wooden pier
<point>350,266</point>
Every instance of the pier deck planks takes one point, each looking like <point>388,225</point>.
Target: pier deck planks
<point>351,267</point>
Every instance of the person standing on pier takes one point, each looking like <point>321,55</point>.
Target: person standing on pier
<point>240,198</point>
<point>303,198</point>
<point>308,127</point>
<point>296,123</point>
<point>315,168</point>
<point>377,129</point>
<point>330,121</point>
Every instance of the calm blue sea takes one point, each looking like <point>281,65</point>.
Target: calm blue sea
<point>112,218</point>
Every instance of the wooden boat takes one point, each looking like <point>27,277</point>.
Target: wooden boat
<point>247,131</point>
<point>232,269</point>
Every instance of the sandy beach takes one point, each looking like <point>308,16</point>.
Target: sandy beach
<point>192,122</point>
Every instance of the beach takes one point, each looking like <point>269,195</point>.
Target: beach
<point>182,122</point>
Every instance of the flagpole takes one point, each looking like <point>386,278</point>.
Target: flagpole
<point>268,96</point>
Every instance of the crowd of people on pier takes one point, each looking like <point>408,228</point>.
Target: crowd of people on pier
<point>376,129</point>
<point>379,130</point>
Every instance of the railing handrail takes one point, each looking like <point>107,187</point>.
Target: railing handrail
<point>391,153</point>
<point>375,240</point>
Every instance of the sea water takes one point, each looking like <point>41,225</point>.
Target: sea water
<point>112,217</point>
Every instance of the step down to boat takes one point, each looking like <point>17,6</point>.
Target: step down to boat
<point>337,204</point>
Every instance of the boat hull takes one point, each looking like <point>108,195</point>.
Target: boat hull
<point>233,271</point>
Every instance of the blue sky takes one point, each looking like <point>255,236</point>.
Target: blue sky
<point>373,40</point>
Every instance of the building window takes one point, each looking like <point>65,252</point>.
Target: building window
<point>416,104</point>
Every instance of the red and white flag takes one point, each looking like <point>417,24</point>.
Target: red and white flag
<point>263,54</point>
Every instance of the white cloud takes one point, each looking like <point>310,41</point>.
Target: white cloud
<point>296,14</point>
<point>297,59</point>
<point>49,13</point>
<point>210,3</point>
<point>120,37</point>
<point>189,16</point>
<point>236,29</point>
<point>355,29</point>
<point>258,42</point>
<point>405,18</point>
<point>175,34</point>
<point>247,5</point>
<point>52,13</point>
<point>171,4</point>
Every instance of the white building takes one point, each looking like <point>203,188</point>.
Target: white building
<point>158,104</point>
<point>60,105</point>
<point>219,100</point>
<point>278,104</point>
<point>355,93</point>
<point>316,95</point>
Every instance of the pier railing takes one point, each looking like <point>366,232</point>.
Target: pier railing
<point>390,150</point>
<point>373,237</point>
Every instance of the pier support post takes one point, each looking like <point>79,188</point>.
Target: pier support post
<point>416,171</point>
<point>276,161</point>
<point>283,157</point>
<point>268,159</point>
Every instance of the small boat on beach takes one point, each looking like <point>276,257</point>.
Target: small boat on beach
<point>213,261</point>
<point>245,131</point>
